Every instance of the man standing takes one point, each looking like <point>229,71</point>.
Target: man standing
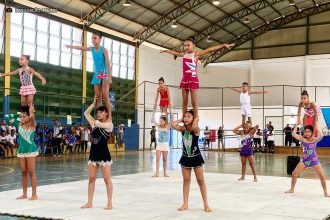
<point>57,136</point>
<point>288,135</point>
<point>153,136</point>
<point>220,138</point>
<point>207,137</point>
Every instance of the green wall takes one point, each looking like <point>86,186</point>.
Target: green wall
<point>65,84</point>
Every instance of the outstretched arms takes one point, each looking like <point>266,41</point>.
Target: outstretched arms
<point>234,89</point>
<point>15,72</point>
<point>173,52</point>
<point>78,47</point>
<point>211,49</point>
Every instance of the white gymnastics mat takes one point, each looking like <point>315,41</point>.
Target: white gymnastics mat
<point>138,196</point>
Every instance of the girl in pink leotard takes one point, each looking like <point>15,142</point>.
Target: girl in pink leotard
<point>190,80</point>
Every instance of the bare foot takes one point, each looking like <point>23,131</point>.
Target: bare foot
<point>326,195</point>
<point>86,206</point>
<point>255,180</point>
<point>22,197</point>
<point>156,175</point>
<point>290,191</point>
<point>183,208</point>
<point>241,179</point>
<point>109,207</point>
<point>33,197</point>
<point>165,175</point>
<point>208,209</point>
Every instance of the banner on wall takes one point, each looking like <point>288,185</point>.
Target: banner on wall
<point>112,97</point>
<point>69,119</point>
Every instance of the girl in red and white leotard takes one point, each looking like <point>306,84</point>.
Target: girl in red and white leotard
<point>311,110</point>
<point>165,101</point>
<point>190,80</point>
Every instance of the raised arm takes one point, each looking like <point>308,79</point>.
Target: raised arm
<point>176,126</point>
<point>173,52</point>
<point>295,135</point>
<point>32,117</point>
<point>15,72</point>
<point>107,62</point>
<point>215,48</point>
<point>236,131</point>
<point>88,116</point>
<point>43,80</point>
<point>319,133</point>
<point>171,120</point>
<point>254,130</point>
<point>195,127</point>
<point>78,47</point>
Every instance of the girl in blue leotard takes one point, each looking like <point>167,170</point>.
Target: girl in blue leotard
<point>102,77</point>
<point>309,158</point>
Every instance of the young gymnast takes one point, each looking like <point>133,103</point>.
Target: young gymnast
<point>165,99</point>
<point>311,110</point>
<point>245,100</point>
<point>246,152</point>
<point>163,146</point>
<point>309,158</point>
<point>26,74</point>
<point>99,154</point>
<point>27,150</point>
<point>102,77</point>
<point>191,157</point>
<point>190,82</point>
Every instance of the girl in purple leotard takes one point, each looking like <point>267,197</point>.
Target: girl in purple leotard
<point>309,157</point>
<point>246,150</point>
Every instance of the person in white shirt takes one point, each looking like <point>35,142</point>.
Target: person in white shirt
<point>245,100</point>
<point>11,142</point>
<point>85,139</point>
<point>121,135</point>
<point>270,141</point>
<point>3,142</point>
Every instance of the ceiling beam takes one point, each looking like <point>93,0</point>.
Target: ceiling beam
<point>231,18</point>
<point>323,7</point>
<point>99,11</point>
<point>156,26</point>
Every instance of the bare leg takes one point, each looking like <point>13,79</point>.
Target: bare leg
<point>106,174</point>
<point>243,119</point>
<point>158,153</point>
<point>92,170</point>
<point>105,94</point>
<point>202,187</point>
<point>30,100</point>
<point>250,120</point>
<point>165,153</point>
<point>24,100</point>
<point>253,168</point>
<point>194,104</point>
<point>31,163</point>
<point>186,174</point>
<point>299,168</point>
<point>98,94</point>
<point>319,171</point>
<point>23,164</point>
<point>243,160</point>
<point>184,101</point>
